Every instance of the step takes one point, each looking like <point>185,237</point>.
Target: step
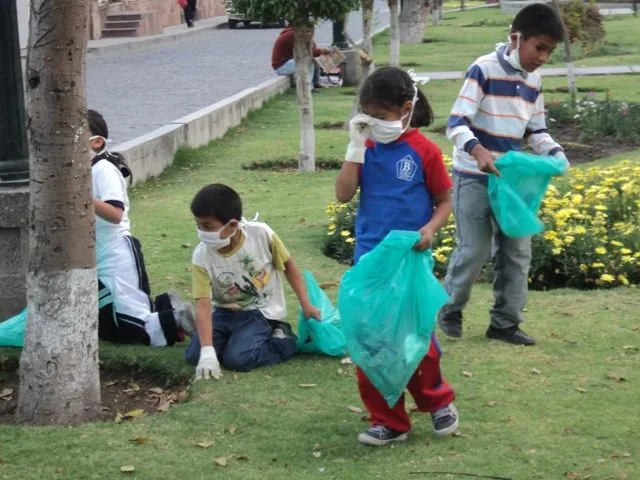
<point>124,17</point>
<point>119,32</point>
<point>111,24</point>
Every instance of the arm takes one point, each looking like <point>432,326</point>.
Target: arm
<point>294,278</point>
<point>439,219</point>
<point>348,181</point>
<point>537,134</point>
<point>107,211</point>
<point>203,322</point>
<point>208,365</point>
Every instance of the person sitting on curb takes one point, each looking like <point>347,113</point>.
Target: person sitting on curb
<point>239,264</point>
<point>282,59</point>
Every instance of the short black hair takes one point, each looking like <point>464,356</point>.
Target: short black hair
<point>97,124</point>
<point>390,87</point>
<point>218,201</point>
<point>538,19</point>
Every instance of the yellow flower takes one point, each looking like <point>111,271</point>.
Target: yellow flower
<point>345,233</point>
<point>577,199</point>
<point>624,251</point>
<point>601,250</point>
<point>623,280</point>
<point>580,230</point>
<point>569,239</point>
<point>583,267</point>
<point>598,265</point>
<point>601,208</point>
<point>556,251</point>
<point>350,240</point>
<point>616,243</point>
<point>607,278</point>
<point>550,235</point>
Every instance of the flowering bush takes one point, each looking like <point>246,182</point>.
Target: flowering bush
<point>608,118</point>
<point>592,237</point>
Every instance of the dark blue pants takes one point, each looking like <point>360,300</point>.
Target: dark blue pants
<point>243,341</point>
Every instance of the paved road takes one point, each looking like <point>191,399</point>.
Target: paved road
<point>140,90</point>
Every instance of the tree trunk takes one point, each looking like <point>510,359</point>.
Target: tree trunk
<point>435,16</point>
<point>394,48</point>
<point>461,4</point>
<point>367,31</point>
<point>59,376</point>
<point>571,76</point>
<point>440,11</point>
<point>304,77</point>
<point>412,20</point>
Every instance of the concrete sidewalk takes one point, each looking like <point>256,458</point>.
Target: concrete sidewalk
<point>546,72</point>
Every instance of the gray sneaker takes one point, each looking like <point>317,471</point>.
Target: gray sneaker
<point>183,313</point>
<point>379,435</point>
<point>445,420</point>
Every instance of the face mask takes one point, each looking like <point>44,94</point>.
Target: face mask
<point>388,131</point>
<point>213,240</point>
<point>514,56</point>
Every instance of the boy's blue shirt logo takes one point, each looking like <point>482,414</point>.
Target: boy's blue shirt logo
<point>406,168</point>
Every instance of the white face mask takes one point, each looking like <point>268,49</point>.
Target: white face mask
<point>213,240</point>
<point>513,57</point>
<point>388,131</point>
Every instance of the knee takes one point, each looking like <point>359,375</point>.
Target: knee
<point>238,361</point>
<point>192,353</point>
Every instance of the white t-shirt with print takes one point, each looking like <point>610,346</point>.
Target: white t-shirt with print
<point>247,278</point>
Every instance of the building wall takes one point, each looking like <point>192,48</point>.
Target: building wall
<point>168,11</point>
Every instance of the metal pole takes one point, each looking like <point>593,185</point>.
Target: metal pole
<point>14,149</point>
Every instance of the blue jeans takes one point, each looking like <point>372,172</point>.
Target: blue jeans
<point>478,238</point>
<point>288,69</point>
<point>243,341</point>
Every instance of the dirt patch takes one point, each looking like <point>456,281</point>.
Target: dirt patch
<point>330,125</point>
<point>291,165</point>
<point>568,135</point>
<point>124,397</point>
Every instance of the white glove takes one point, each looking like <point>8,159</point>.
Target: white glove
<point>208,366</point>
<point>358,135</point>
<point>562,156</point>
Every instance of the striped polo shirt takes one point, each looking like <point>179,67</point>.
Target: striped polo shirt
<point>498,106</point>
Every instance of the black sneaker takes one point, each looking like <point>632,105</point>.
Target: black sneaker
<point>281,330</point>
<point>510,335</point>
<point>445,420</point>
<point>451,325</point>
<point>379,435</point>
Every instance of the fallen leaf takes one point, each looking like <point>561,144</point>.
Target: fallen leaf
<point>207,444</point>
<point>317,454</point>
<point>307,385</point>
<point>531,450</point>
<point>353,409</point>
<point>232,430</point>
<point>467,374</point>
<point>572,475</point>
<point>1,461</point>
<point>316,446</point>
<point>138,412</point>
<point>235,376</point>
<point>141,440</point>
<point>616,378</point>
<point>221,461</point>
<point>118,418</point>
<point>581,390</point>
<point>491,403</point>
<point>164,407</point>
<point>156,390</point>
<point>242,458</point>
<point>7,392</point>
<point>183,396</point>
<point>127,468</point>
<point>186,245</point>
<point>110,384</point>
<point>536,371</point>
<point>326,285</point>
<point>346,361</point>
<point>340,371</point>
<point>135,387</point>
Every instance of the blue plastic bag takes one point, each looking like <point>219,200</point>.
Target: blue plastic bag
<point>516,195</point>
<point>12,330</point>
<point>388,304</point>
<point>320,337</point>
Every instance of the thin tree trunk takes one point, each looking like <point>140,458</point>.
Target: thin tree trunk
<point>59,376</point>
<point>440,11</point>
<point>435,17</point>
<point>394,48</point>
<point>412,20</point>
<point>304,73</point>
<point>571,76</point>
<point>462,5</point>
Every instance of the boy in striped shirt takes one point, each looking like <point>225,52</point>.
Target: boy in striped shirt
<point>499,106</point>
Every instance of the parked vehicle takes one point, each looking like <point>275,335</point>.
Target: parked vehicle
<point>238,17</point>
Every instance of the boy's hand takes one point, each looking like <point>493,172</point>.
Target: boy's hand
<point>426,238</point>
<point>208,366</point>
<point>484,158</point>
<point>311,312</point>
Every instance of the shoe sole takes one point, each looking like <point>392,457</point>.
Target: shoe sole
<point>491,336</point>
<point>451,429</point>
<point>449,333</point>
<point>374,442</point>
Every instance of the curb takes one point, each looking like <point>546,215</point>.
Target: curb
<point>150,154</point>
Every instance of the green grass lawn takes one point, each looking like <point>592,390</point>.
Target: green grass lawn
<point>564,408</point>
<point>464,36</point>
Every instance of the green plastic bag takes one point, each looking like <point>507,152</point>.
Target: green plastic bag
<point>320,337</point>
<point>516,195</point>
<point>12,330</point>
<point>388,304</point>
